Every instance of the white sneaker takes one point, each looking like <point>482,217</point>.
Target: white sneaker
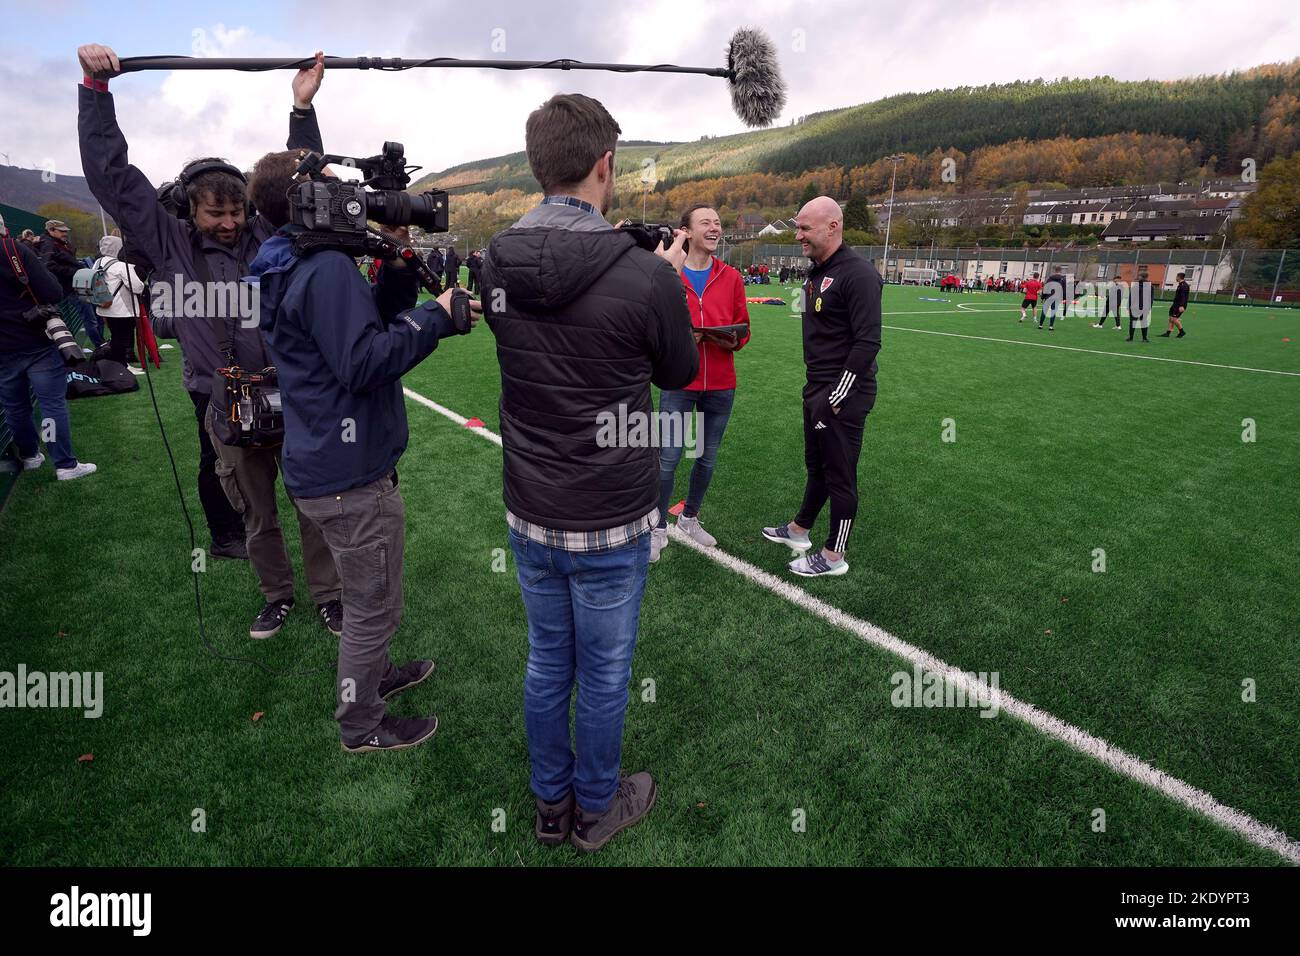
<point>80,470</point>
<point>780,534</point>
<point>691,526</point>
<point>658,541</point>
<point>31,464</point>
<point>815,565</point>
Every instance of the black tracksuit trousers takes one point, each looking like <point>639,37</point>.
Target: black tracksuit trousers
<point>832,443</point>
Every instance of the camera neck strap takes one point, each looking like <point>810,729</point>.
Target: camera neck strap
<point>14,255</point>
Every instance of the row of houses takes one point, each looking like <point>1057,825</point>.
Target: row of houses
<point>1128,213</point>
<point>1150,213</point>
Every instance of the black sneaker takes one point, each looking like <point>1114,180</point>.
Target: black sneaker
<point>632,801</point>
<point>1164,335</point>
<point>554,821</point>
<point>270,619</point>
<point>234,546</point>
<point>1181,333</point>
<point>404,678</point>
<point>331,615</point>
<point>394,733</point>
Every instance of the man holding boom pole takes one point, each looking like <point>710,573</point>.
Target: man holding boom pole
<point>211,240</point>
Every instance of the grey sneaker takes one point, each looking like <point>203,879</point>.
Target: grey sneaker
<point>781,535</point>
<point>658,541</point>
<point>554,820</point>
<point>632,801</point>
<point>816,564</point>
<point>693,531</point>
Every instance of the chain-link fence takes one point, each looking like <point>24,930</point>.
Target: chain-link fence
<point>1242,276</point>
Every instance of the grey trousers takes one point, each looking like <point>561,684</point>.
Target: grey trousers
<point>248,477</point>
<point>365,529</point>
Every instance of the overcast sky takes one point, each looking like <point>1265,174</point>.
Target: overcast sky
<point>833,53</point>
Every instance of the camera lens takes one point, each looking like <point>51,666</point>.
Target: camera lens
<point>394,208</point>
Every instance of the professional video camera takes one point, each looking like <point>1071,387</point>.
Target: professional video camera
<point>329,204</point>
<point>333,213</point>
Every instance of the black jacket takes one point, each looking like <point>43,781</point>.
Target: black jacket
<point>586,322</point>
<point>452,263</point>
<point>16,333</point>
<point>60,260</point>
<point>171,245</point>
<point>1181,295</point>
<point>841,327</point>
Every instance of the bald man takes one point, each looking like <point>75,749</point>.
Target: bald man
<point>841,336</point>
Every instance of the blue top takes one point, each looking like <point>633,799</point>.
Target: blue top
<point>698,278</point>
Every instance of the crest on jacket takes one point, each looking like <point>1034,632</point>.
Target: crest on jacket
<point>826,283</point>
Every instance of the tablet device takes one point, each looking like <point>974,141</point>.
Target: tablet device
<point>737,330</point>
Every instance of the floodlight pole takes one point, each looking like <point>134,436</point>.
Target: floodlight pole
<point>884,263</point>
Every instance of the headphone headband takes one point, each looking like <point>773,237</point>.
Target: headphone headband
<point>178,192</point>
<point>194,170</point>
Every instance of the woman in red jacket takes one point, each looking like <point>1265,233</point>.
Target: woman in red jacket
<point>715,293</point>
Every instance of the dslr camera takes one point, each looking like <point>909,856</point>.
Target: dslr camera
<point>649,235</point>
<point>51,319</point>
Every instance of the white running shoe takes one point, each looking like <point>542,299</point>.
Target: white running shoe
<point>658,541</point>
<point>816,564</point>
<point>781,535</point>
<point>691,526</point>
<point>31,464</point>
<point>80,470</point>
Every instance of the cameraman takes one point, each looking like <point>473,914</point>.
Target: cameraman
<point>341,348</point>
<point>215,244</point>
<point>30,362</point>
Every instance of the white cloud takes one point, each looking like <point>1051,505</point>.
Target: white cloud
<point>854,53</point>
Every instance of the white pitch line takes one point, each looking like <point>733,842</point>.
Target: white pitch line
<point>1121,761</point>
<point>483,431</point>
<point>947,311</point>
<point>1068,348</point>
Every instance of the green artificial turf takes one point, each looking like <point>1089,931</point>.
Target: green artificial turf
<point>979,551</point>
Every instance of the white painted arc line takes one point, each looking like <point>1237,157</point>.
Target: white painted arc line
<point>1118,760</point>
<point>1069,348</point>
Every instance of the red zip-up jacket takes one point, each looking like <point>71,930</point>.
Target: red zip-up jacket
<point>723,303</point>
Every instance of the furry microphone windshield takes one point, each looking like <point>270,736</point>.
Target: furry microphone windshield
<point>757,90</point>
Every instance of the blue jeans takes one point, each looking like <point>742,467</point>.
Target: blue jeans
<point>41,371</point>
<point>583,610</point>
<point>715,408</point>
<point>92,323</point>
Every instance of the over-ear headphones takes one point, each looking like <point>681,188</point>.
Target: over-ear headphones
<point>175,195</point>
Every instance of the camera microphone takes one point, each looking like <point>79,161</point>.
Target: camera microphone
<point>757,90</point>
